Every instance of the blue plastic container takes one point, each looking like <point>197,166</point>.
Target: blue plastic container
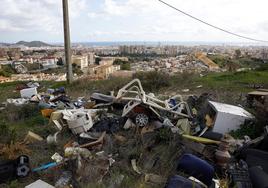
<point>196,167</point>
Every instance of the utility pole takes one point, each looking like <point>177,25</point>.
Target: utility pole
<point>67,42</point>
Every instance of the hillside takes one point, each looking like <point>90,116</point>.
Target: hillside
<point>33,44</point>
<point>154,151</point>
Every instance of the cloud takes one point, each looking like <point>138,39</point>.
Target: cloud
<point>116,8</point>
<point>77,7</point>
<point>36,15</point>
<point>161,22</point>
<point>6,26</point>
<point>134,19</point>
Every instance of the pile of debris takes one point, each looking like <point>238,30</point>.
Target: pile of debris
<point>171,143</point>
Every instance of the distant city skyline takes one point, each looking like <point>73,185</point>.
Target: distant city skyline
<point>132,20</point>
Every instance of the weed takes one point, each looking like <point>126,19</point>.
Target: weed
<point>153,81</point>
<point>249,130</point>
<point>85,87</point>
<point>163,135</point>
<point>7,70</point>
<point>14,184</point>
<point>235,81</point>
<point>3,128</point>
<point>13,150</point>
<point>94,185</point>
<point>15,113</point>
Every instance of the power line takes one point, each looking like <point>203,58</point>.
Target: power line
<point>216,27</point>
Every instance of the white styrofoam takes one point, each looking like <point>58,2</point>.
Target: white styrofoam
<point>39,184</point>
<point>28,93</point>
<point>80,122</point>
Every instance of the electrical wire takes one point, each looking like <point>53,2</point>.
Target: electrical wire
<point>216,27</point>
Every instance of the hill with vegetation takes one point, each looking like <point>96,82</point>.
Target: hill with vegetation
<point>33,44</point>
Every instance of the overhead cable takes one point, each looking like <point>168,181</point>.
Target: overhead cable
<point>216,27</point>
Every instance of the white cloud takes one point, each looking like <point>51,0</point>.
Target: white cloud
<point>136,19</point>
<point>29,15</point>
<point>36,15</point>
<point>6,26</point>
<point>155,18</point>
<point>77,7</point>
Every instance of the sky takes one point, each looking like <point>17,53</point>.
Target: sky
<point>132,20</point>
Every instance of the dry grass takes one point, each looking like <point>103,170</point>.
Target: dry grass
<point>13,150</point>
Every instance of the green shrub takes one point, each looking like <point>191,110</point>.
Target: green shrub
<point>124,65</point>
<point>16,113</point>
<point>153,81</point>
<point>163,135</point>
<point>263,67</point>
<point>86,86</point>
<point>5,74</point>
<point>3,128</point>
<point>7,70</point>
<point>249,130</point>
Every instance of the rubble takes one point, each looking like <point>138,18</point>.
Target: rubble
<point>39,184</point>
<point>64,180</point>
<point>57,157</point>
<point>32,137</point>
<point>200,139</point>
<point>153,178</point>
<point>94,143</point>
<point>18,102</point>
<point>259,95</point>
<point>28,93</point>
<point>135,133</point>
<point>52,139</point>
<point>12,169</point>
<point>45,166</point>
<point>222,154</point>
<point>228,117</point>
<point>33,84</point>
<point>134,166</point>
<point>20,68</point>
<point>78,121</point>
<point>177,181</point>
<point>197,168</point>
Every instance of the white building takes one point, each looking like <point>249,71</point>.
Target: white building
<point>49,62</point>
<point>91,58</point>
<point>80,60</point>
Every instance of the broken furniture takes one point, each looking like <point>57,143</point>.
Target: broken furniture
<point>142,107</point>
<point>260,95</point>
<point>135,88</point>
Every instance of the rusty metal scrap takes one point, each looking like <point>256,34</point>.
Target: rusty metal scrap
<point>94,143</point>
